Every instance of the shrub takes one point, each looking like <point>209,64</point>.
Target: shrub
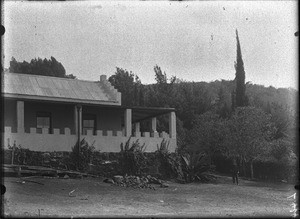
<point>82,160</point>
<point>132,159</point>
<point>194,167</point>
<point>169,164</point>
<point>22,156</point>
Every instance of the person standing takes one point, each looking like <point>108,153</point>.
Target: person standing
<point>235,173</point>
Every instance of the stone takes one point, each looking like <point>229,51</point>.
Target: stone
<point>144,180</point>
<point>164,185</point>
<point>118,179</point>
<point>154,180</point>
<point>111,181</point>
<point>137,180</point>
<point>66,176</point>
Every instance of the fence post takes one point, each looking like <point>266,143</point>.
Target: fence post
<point>13,152</point>
<point>12,155</point>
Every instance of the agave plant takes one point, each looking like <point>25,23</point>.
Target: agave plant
<point>169,163</point>
<point>163,147</point>
<point>133,159</point>
<point>194,165</point>
<point>135,146</point>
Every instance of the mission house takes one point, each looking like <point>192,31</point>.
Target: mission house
<point>45,113</point>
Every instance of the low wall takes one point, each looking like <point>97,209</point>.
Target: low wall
<point>64,142</point>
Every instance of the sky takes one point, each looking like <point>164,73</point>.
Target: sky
<point>194,40</point>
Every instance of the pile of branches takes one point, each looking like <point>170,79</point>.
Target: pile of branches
<point>136,181</point>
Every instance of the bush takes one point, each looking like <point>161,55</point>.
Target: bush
<point>22,156</point>
<point>276,170</point>
<point>194,167</point>
<point>132,159</point>
<point>281,162</point>
<point>169,165</point>
<point>222,163</point>
<point>82,160</point>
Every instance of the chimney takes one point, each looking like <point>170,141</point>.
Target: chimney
<point>103,78</point>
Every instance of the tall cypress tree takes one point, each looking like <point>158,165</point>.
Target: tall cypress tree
<point>240,94</point>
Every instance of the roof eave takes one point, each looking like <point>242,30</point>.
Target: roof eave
<point>58,99</point>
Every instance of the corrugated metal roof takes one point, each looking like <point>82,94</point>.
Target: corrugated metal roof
<point>61,89</point>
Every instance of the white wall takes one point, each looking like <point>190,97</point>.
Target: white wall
<point>64,142</point>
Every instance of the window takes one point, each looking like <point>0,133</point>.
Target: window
<point>88,123</point>
<point>43,120</point>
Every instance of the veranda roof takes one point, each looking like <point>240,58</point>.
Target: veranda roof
<point>37,87</point>
<point>140,113</point>
<point>143,113</point>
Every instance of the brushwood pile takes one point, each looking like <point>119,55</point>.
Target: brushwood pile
<point>136,181</point>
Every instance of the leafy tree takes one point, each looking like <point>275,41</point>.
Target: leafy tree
<point>162,90</point>
<point>129,85</point>
<point>285,158</point>
<point>249,132</point>
<point>141,97</point>
<point>281,148</point>
<point>39,66</point>
<point>191,99</point>
<point>161,78</point>
<point>181,136</point>
<point>222,106</point>
<point>208,133</point>
<point>283,120</point>
<point>241,98</point>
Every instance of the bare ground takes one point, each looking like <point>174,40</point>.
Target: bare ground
<point>93,197</point>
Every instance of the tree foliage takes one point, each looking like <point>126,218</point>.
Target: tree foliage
<point>218,117</point>
<point>208,133</point>
<point>249,131</point>
<point>203,112</point>
<point>249,134</point>
<point>240,94</point>
<point>283,120</point>
<point>163,90</point>
<point>129,85</point>
<point>40,66</point>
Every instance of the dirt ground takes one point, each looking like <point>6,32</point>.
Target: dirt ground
<point>93,197</point>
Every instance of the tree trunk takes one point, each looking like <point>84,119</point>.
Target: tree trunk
<point>240,162</point>
<point>251,169</point>
<point>244,166</point>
